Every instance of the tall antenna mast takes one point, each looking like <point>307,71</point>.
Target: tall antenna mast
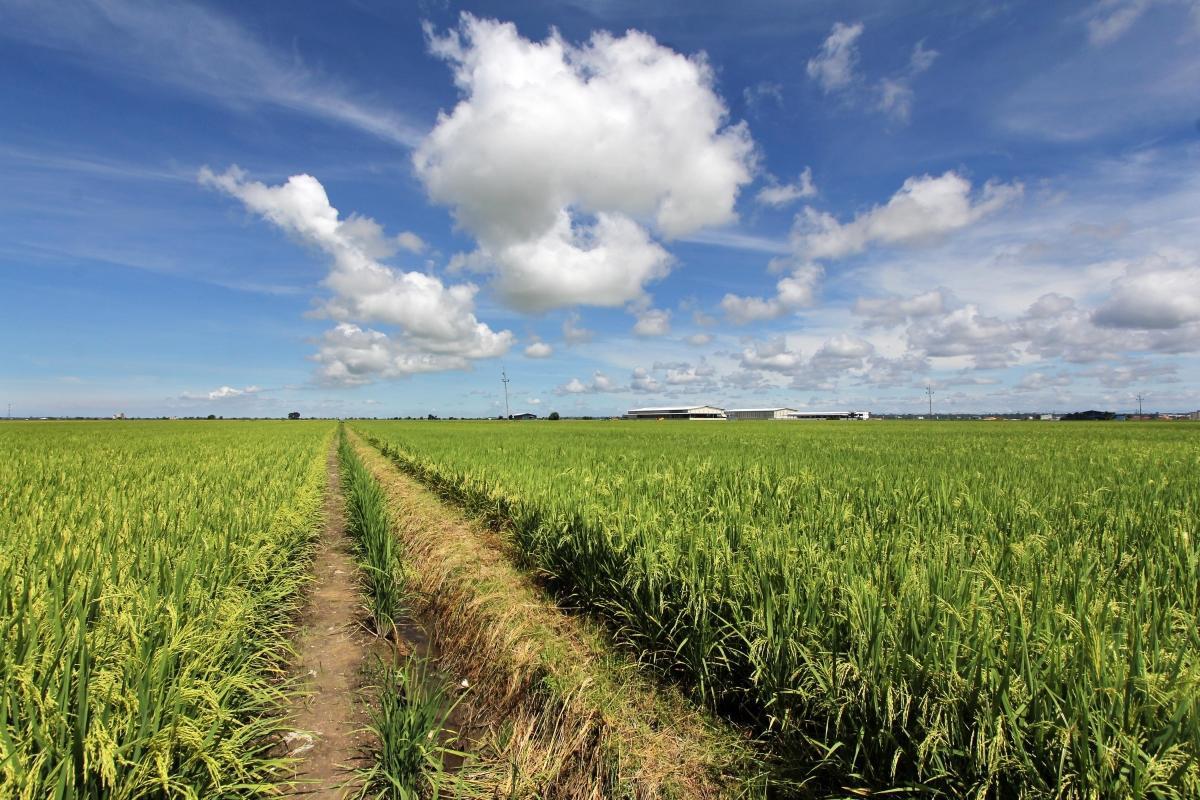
<point>504,380</point>
<point>929,391</point>
<point>1139,399</point>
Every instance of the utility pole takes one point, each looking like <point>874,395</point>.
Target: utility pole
<point>1139,399</point>
<point>929,391</point>
<point>504,380</point>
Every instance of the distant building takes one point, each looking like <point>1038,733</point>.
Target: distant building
<point>524,415</point>
<point>830,415</point>
<point>1194,415</point>
<point>676,412</point>
<point>759,413</point>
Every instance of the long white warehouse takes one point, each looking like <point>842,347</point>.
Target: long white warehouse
<point>677,412</point>
<point>759,413</point>
<point>829,415</point>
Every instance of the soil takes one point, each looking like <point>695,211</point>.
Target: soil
<point>334,649</point>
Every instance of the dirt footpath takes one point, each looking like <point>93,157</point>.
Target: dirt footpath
<point>333,650</point>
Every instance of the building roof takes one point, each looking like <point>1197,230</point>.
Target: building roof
<point>781,408</point>
<point>666,409</point>
<point>824,413</point>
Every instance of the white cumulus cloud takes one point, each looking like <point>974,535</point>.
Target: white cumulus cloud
<point>792,293</point>
<point>558,154</point>
<point>924,209</point>
<point>350,355</point>
<point>652,322</point>
<point>599,384</point>
<point>772,355</point>
<point>229,391</point>
<point>776,194</point>
<point>1161,292</point>
<point>539,350</point>
<point>438,326</point>
<point>891,311</point>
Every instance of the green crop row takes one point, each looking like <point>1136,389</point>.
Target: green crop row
<point>957,610</point>
<point>380,556</point>
<point>148,577</point>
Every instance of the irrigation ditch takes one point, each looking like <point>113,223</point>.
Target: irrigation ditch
<point>508,696</point>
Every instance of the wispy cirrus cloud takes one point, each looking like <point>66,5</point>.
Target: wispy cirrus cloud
<point>835,69</point>
<point>834,66</point>
<point>195,49</point>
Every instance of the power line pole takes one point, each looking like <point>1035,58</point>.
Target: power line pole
<point>929,391</point>
<point>504,380</point>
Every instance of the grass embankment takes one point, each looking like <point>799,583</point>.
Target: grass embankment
<point>410,709</point>
<point>552,711</point>
<point>954,610</point>
<point>148,579</point>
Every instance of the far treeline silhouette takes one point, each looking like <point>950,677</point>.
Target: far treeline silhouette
<point>1090,416</point>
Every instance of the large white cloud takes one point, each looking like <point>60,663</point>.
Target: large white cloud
<point>924,209</point>
<point>557,154</point>
<point>965,331</point>
<point>1160,293</point>
<point>438,326</point>
<point>350,355</point>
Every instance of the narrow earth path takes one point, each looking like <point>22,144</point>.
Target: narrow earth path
<point>332,653</point>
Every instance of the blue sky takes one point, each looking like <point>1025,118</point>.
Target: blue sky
<point>373,208</point>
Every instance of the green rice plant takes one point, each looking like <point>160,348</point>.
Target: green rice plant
<point>951,609</point>
<point>148,577</point>
<point>410,725</point>
<point>380,556</point>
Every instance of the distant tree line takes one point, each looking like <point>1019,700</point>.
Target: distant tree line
<point>1088,416</point>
